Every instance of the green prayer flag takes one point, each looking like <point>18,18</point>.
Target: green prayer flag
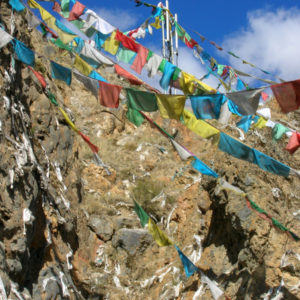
<point>78,23</point>
<point>58,42</point>
<point>278,131</point>
<point>180,30</point>
<point>65,8</point>
<point>150,54</point>
<point>162,65</point>
<point>134,116</point>
<point>141,213</point>
<point>279,225</point>
<point>176,74</point>
<point>139,100</point>
<point>52,98</point>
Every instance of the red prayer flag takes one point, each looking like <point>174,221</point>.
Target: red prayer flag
<point>109,94</point>
<point>94,148</point>
<point>122,72</point>
<point>287,95</point>
<point>190,43</point>
<point>264,96</point>
<point>126,41</point>
<point>56,7</point>
<point>77,11</point>
<point>140,59</point>
<point>294,143</point>
<point>40,77</point>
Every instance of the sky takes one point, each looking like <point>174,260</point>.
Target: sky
<point>265,33</point>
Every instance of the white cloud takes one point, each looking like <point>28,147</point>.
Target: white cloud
<point>120,18</point>
<point>271,41</point>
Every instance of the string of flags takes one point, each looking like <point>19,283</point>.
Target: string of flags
<point>172,107</point>
<point>145,101</point>
<point>191,43</point>
<point>116,43</point>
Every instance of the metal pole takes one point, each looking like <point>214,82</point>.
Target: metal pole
<point>168,21</point>
<point>163,37</point>
<point>176,41</point>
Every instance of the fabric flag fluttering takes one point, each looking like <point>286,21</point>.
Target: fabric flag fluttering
<point>287,95</point>
<point>170,107</point>
<point>23,53</point>
<point>247,101</point>
<point>239,150</point>
<point>144,218</point>
<point>109,94</point>
<point>294,143</point>
<point>202,168</point>
<point>207,106</point>
<point>61,73</point>
<point>158,235</point>
<point>5,38</point>
<point>189,267</point>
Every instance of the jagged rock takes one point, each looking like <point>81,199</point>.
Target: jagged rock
<point>131,240</point>
<point>103,227</point>
<point>14,266</point>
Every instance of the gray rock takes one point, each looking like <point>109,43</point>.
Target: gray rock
<point>244,214</point>
<point>102,227</point>
<point>6,282</point>
<point>18,246</point>
<point>122,222</point>
<point>248,180</point>
<point>14,266</point>
<point>132,240</point>
<point>2,257</point>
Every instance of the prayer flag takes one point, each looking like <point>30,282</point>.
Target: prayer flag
<point>61,73</point>
<point>82,66</point>
<point>23,53</point>
<point>144,218</point>
<point>247,101</point>
<point>158,235</point>
<point>203,168</point>
<point>294,143</point>
<point>207,106</point>
<point>189,267</point>
<point>287,95</point>
<point>200,127</point>
<point>109,94</point>
<point>170,107</point>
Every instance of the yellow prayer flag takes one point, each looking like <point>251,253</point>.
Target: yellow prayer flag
<point>261,123</point>
<point>156,24</point>
<point>50,21</point>
<point>82,66</point>
<point>111,45</point>
<point>71,124</point>
<point>158,235</point>
<point>200,127</point>
<point>170,107</point>
<point>33,4</point>
<point>188,82</point>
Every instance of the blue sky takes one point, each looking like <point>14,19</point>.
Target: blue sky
<point>265,33</point>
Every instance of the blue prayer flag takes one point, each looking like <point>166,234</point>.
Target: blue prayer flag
<point>189,267</point>
<point>24,54</point>
<point>207,106</point>
<point>16,5</point>
<point>61,73</point>
<point>233,108</point>
<point>97,76</point>
<point>239,150</point>
<point>99,39</point>
<point>203,168</point>
<point>64,28</point>
<point>167,75</point>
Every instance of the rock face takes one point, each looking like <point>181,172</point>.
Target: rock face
<point>68,229</point>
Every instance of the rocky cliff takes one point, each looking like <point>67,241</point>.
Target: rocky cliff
<point>68,229</point>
